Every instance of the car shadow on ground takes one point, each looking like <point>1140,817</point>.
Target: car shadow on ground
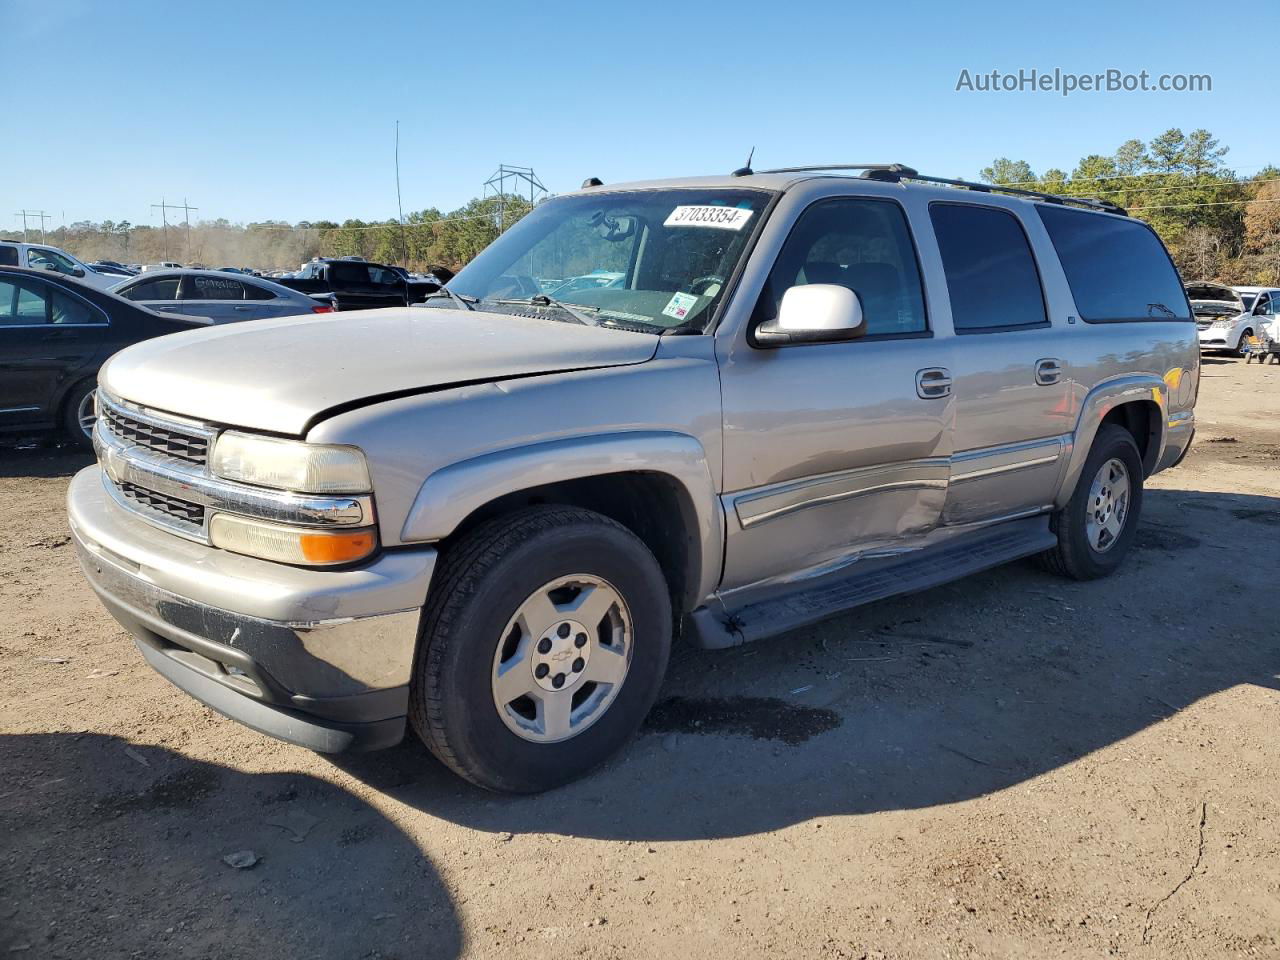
<point>930,699</point>
<point>116,850</point>
<point>43,455</point>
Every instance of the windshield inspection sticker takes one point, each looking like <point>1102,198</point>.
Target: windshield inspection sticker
<point>680,305</point>
<point>721,218</point>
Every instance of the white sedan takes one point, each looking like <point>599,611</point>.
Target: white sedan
<point>1227,316</point>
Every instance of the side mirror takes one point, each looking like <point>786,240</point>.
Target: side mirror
<point>814,313</point>
<point>78,272</point>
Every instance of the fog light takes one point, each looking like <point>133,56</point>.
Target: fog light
<point>301,545</point>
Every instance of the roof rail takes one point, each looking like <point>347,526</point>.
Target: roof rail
<point>897,172</point>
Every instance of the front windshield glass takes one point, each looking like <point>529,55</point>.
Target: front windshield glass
<point>655,259</point>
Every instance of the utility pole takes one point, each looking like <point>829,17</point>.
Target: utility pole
<point>35,215</point>
<point>164,219</point>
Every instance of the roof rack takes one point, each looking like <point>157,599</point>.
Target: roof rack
<point>897,172</point>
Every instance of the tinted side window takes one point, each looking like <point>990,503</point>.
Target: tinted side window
<point>49,259</point>
<point>1117,269</point>
<point>254,292</point>
<point>8,256</point>
<point>21,303</point>
<point>213,288</point>
<point>164,288</point>
<point>991,274</point>
<point>65,308</point>
<point>861,244</point>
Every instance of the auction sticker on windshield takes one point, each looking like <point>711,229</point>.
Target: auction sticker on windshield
<point>721,218</point>
<point>679,305</point>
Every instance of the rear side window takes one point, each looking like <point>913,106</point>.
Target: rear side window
<point>253,292</point>
<point>213,288</point>
<point>1118,270</point>
<point>8,256</point>
<point>65,308</point>
<point>163,288</point>
<point>991,273</point>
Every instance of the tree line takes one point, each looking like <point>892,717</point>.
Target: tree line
<point>427,238</point>
<point>1217,225</point>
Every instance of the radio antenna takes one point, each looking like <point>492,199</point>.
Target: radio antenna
<point>746,171</point>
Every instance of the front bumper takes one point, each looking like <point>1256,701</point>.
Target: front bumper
<point>320,658</point>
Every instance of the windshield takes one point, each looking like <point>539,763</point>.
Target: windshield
<point>1248,299</point>
<point>654,258</point>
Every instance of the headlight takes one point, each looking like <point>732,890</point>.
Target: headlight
<point>289,464</point>
<point>303,545</point>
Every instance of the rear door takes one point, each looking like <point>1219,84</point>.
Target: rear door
<point>48,336</point>
<point>831,449</point>
<point>1014,409</point>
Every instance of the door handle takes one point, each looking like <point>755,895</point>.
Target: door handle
<point>1048,371</point>
<point>933,382</point>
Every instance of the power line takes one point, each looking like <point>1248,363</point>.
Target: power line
<point>164,219</point>
<point>36,215</point>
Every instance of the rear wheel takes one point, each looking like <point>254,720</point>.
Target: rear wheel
<point>1096,527</point>
<point>544,642</point>
<point>79,414</point>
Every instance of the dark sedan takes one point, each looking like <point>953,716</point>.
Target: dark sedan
<point>55,334</point>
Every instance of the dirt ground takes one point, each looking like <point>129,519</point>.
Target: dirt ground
<point>1010,766</point>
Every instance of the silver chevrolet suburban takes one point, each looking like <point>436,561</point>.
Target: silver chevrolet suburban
<point>486,516</point>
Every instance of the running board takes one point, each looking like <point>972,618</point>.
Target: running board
<point>866,581</point>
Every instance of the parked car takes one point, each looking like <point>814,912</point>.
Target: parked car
<point>40,256</point>
<point>112,267</point>
<point>221,297</point>
<point>1226,317</point>
<point>482,518</point>
<point>162,265</point>
<point>601,278</point>
<point>353,283</point>
<point>418,287</point>
<point>54,335</point>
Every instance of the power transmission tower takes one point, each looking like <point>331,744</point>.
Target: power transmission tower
<point>518,177</point>
<point>35,215</point>
<point>164,219</point>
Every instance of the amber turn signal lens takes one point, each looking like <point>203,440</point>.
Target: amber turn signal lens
<point>336,547</point>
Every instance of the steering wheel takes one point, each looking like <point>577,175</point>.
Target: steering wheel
<point>704,283</point>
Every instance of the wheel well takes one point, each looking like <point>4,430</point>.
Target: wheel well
<point>65,400</point>
<point>653,506</point>
<point>1142,419</point>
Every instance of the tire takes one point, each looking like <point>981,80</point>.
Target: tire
<point>475,617</point>
<point>73,409</point>
<point>1076,555</point>
<point>1242,348</point>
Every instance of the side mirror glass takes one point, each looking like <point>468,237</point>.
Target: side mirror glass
<point>78,272</point>
<point>814,313</point>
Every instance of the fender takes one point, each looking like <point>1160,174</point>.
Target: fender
<point>1100,401</point>
<point>453,493</point>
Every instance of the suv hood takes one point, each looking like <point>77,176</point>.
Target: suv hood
<point>279,375</point>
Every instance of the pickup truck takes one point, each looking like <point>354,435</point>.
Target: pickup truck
<point>486,518</point>
<point>351,284</point>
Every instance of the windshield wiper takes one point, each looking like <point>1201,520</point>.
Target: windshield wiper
<point>464,302</point>
<point>542,300</point>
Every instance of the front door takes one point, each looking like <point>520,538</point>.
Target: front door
<point>835,449</point>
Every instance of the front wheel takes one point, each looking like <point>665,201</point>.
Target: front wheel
<point>1242,346</point>
<point>1096,527</point>
<point>544,642</point>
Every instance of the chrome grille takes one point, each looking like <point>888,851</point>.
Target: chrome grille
<point>163,440</point>
<point>172,507</point>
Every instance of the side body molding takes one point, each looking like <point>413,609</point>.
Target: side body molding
<point>452,493</point>
<point>1100,401</point>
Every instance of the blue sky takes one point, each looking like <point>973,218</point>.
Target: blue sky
<point>286,110</point>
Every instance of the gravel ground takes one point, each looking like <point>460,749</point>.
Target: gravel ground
<point>1009,766</point>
